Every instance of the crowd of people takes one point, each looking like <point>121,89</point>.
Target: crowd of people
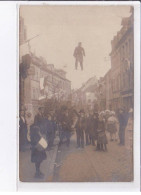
<point>91,127</point>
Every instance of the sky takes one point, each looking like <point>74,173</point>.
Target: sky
<point>60,28</point>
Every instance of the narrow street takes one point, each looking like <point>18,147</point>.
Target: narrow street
<point>74,165</point>
<point>81,80</point>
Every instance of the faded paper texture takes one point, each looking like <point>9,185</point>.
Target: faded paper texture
<point>76,89</point>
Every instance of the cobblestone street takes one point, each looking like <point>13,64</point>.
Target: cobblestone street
<point>73,165</point>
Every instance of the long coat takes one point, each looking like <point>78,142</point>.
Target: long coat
<point>123,119</point>
<point>38,119</point>
<point>92,125</point>
<point>65,122</point>
<point>36,155</point>
<point>81,125</point>
<point>49,130</point>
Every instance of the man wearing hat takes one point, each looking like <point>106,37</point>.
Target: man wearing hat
<point>79,52</point>
<point>80,128</point>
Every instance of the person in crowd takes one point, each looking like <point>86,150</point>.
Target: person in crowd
<point>29,121</point>
<point>66,125</point>
<point>112,126</point>
<point>54,121</point>
<point>106,116</point>
<point>129,131</point>
<point>39,117</point>
<point>122,118</point>
<point>101,135</point>
<point>80,129</point>
<point>61,135</point>
<point>89,129</point>
<point>87,137</point>
<point>22,131</point>
<point>93,129</point>
<point>37,154</point>
<point>50,129</point>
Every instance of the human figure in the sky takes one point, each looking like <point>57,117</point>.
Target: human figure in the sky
<point>79,52</point>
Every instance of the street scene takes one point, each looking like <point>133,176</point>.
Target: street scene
<point>76,93</point>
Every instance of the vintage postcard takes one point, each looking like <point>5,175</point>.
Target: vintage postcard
<point>76,93</point>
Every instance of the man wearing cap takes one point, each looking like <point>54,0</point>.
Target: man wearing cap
<point>79,52</point>
<point>80,128</point>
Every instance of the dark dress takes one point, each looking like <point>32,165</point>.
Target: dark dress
<point>101,138</point>
<point>36,156</point>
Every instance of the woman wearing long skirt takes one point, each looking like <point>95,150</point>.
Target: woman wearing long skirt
<point>101,135</point>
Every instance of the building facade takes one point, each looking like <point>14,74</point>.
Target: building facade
<point>122,66</point>
<point>54,85</point>
<point>116,88</point>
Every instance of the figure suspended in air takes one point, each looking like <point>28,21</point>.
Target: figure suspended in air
<point>79,52</point>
